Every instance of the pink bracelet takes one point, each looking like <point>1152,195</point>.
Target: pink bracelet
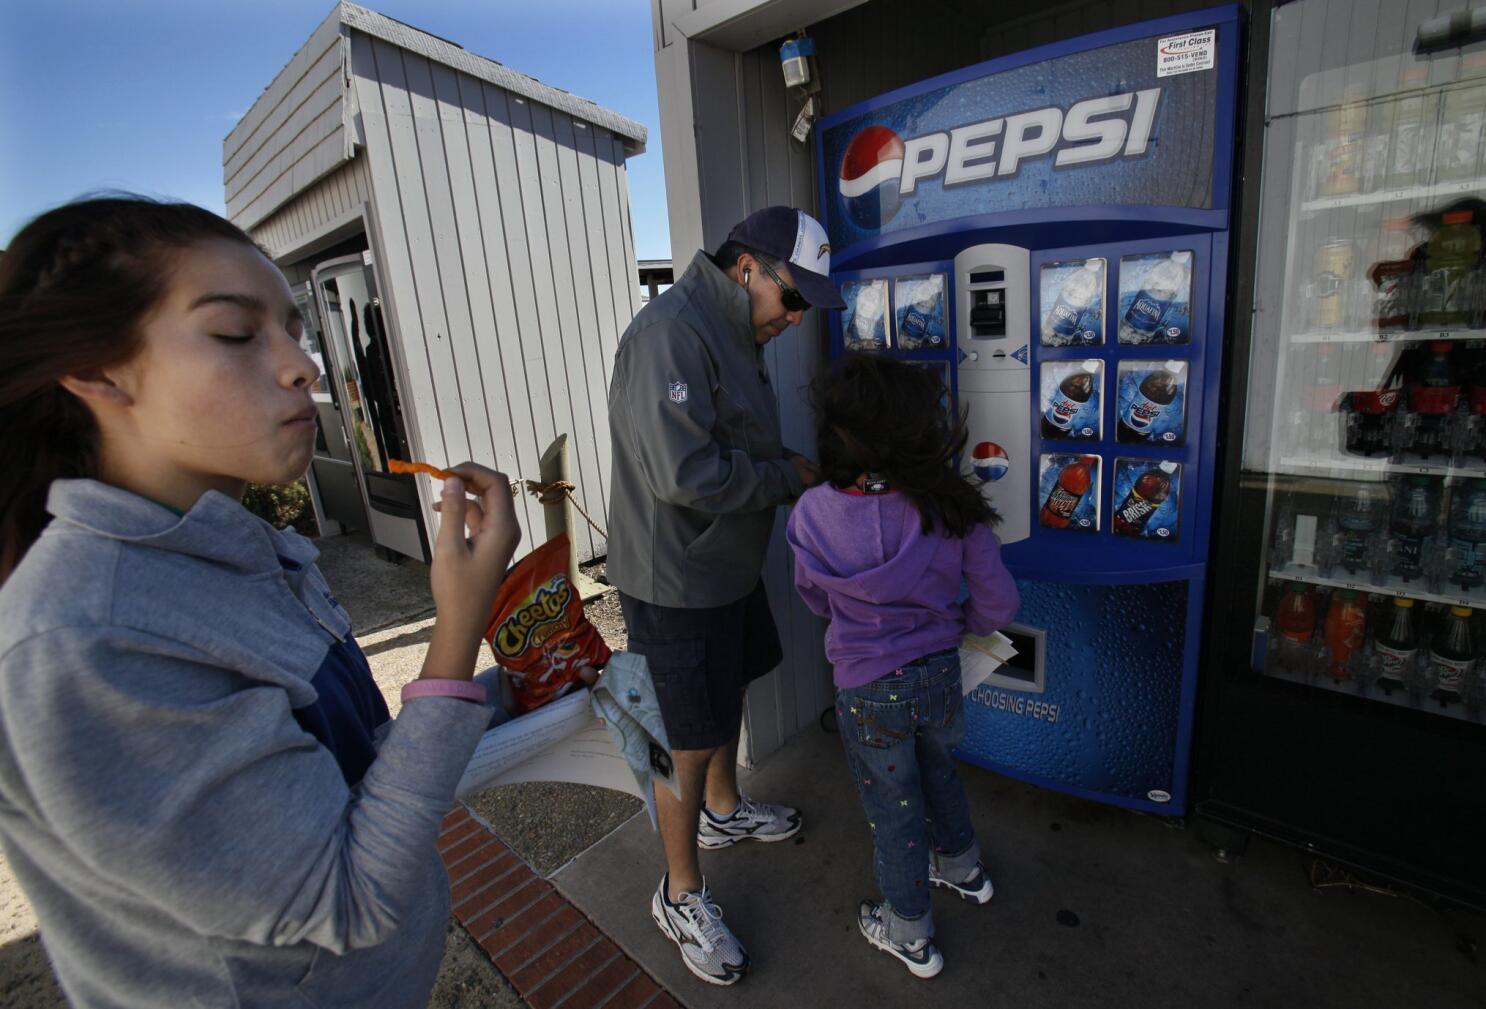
<point>462,689</point>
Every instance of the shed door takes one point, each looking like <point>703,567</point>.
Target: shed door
<point>359,362</point>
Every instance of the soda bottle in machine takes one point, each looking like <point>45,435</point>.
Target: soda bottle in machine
<point>1371,412</point>
<point>1346,127</point>
<point>1346,626</point>
<point>1433,397</point>
<point>1073,392</point>
<point>1392,275</point>
<point>1450,262</point>
<point>1295,618</point>
<point>1468,533</point>
<point>1397,646</point>
<point>1163,284</point>
<point>1472,437</point>
<point>1462,118</point>
<point>1074,298</point>
<point>1412,152</point>
<point>1062,501</point>
<point>1414,516</point>
<point>1145,498</point>
<point>1358,517</point>
<point>1452,659</point>
<point>1321,401</point>
<point>1157,391</point>
<point>1331,280</point>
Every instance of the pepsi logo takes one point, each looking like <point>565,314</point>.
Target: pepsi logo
<point>870,170</point>
<point>989,461</point>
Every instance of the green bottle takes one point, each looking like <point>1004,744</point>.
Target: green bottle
<point>1450,263</point>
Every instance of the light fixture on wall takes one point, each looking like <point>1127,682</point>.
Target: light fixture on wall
<point>802,76</point>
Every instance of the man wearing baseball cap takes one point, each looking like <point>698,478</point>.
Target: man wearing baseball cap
<point>698,471</point>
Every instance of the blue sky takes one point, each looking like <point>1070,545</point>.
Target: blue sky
<point>138,94</point>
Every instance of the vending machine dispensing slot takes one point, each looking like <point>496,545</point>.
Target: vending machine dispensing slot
<point>987,304</point>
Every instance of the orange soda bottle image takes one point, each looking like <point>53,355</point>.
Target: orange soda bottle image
<point>1346,622</point>
<point>1073,483</point>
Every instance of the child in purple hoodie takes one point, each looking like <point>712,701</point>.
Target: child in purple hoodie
<point>882,548</point>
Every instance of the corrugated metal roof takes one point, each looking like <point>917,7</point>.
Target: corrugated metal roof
<point>449,54</point>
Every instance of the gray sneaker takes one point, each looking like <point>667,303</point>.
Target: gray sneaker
<point>751,821</point>
<point>975,888</point>
<point>708,947</point>
<point>921,957</point>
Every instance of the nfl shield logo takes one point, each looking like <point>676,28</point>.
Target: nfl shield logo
<point>678,392</point>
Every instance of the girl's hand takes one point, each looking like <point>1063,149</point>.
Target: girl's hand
<point>474,547</point>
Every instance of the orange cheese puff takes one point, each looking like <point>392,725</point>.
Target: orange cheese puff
<point>398,466</point>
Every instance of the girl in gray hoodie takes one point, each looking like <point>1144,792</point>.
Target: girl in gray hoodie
<point>200,790</point>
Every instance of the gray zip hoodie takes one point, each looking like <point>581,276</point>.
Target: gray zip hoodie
<point>698,466</point>
<point>183,840</point>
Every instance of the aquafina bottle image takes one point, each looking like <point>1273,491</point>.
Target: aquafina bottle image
<point>1075,298</point>
<point>1163,285</point>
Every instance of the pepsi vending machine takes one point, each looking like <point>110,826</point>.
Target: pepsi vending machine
<point>1050,231</point>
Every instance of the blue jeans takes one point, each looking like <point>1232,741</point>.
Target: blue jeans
<point>898,732</point>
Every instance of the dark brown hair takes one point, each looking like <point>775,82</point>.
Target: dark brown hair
<point>876,415</point>
<point>75,284</point>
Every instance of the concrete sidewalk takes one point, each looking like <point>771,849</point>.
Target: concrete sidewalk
<point>1094,907</point>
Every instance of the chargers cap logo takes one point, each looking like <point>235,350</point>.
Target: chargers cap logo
<point>989,461</point>
<point>870,173</point>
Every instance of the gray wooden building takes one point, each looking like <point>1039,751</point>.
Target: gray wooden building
<point>725,122</point>
<point>458,235</point>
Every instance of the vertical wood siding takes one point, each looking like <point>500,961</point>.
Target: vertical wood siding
<point>509,265</point>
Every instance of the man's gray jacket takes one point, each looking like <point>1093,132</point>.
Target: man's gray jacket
<point>698,465</point>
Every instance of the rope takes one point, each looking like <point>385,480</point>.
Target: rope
<point>553,493</point>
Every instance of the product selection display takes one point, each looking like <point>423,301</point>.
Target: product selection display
<point>1377,514</point>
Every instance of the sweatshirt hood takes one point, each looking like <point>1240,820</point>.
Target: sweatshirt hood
<point>216,529</point>
<point>881,560</point>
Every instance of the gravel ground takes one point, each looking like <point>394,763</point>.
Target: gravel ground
<point>548,824</point>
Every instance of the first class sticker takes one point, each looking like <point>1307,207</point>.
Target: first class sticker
<point>1184,54</point>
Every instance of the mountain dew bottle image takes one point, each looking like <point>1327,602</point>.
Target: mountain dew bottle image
<point>1163,284</point>
<point>1074,299</point>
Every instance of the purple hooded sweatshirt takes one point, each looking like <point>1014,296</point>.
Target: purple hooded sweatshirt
<point>888,588</point>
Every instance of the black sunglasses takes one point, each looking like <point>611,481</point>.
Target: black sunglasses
<point>791,297</point>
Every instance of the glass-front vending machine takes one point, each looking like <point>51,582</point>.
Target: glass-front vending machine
<point>1049,231</point>
<point>1344,702</point>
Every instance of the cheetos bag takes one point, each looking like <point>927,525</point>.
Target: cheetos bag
<point>538,631</point>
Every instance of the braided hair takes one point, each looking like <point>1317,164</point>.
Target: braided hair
<point>75,285</point>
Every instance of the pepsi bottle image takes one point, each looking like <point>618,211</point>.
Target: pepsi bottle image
<point>1157,390</point>
<point>1074,298</point>
<point>1433,398</point>
<point>1145,498</point>
<point>1163,284</point>
<point>1073,392</point>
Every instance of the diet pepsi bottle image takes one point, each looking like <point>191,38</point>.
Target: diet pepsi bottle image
<point>1073,392</point>
<point>1075,298</point>
<point>916,330</point>
<point>1144,499</point>
<point>1157,390</point>
<point>1163,285</point>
